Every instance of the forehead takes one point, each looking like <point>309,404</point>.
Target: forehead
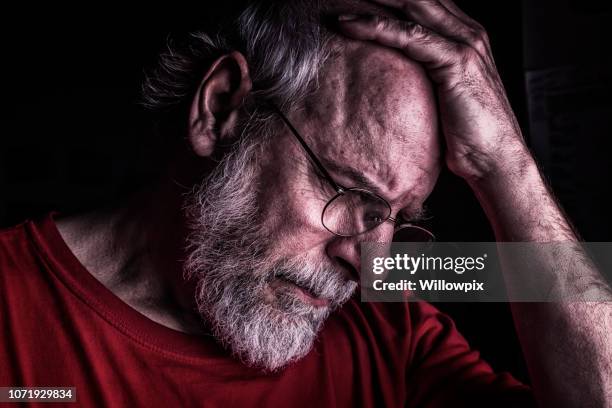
<point>374,111</point>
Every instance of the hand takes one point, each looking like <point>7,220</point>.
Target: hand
<point>481,131</point>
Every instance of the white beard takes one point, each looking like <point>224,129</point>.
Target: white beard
<point>228,257</point>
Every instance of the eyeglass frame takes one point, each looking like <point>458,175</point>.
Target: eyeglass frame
<point>340,189</point>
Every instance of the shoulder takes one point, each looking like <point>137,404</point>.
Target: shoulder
<point>18,264</point>
<point>394,319</point>
<point>20,252</point>
<point>15,243</point>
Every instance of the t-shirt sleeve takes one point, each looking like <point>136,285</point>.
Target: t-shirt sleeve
<point>444,370</point>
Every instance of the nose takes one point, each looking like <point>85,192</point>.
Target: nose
<point>345,252</point>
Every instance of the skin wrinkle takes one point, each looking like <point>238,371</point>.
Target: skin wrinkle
<point>389,98</point>
<point>258,214</point>
<point>254,312</point>
<point>291,174</point>
<point>403,168</point>
<point>374,114</point>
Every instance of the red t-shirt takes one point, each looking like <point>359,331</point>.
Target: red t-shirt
<point>61,327</point>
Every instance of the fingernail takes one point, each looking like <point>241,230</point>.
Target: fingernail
<point>347,17</point>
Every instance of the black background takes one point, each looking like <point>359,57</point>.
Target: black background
<point>74,137</point>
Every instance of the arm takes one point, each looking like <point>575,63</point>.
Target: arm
<point>568,346</point>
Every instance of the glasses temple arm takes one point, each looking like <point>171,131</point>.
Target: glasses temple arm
<point>310,153</point>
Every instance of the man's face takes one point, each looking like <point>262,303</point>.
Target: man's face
<point>269,273</point>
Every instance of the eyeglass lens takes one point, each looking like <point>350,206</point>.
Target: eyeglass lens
<point>355,211</point>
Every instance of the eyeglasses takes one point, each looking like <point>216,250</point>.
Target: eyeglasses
<point>354,211</point>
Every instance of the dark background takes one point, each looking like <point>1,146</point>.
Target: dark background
<point>73,136</point>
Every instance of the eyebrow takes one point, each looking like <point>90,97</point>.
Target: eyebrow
<point>363,181</point>
<point>348,172</point>
<point>321,166</point>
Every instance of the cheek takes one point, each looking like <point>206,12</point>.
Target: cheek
<point>291,215</point>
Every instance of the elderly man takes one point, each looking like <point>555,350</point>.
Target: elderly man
<point>232,280</point>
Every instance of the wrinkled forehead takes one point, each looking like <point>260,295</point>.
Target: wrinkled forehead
<point>375,109</point>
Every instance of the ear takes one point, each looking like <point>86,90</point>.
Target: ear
<point>215,106</point>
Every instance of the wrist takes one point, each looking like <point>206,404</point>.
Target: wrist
<point>513,164</point>
<point>519,204</point>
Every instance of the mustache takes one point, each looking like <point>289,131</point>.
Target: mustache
<point>320,279</point>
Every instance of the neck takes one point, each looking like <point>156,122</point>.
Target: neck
<point>135,250</point>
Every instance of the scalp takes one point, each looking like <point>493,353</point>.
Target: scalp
<point>374,108</point>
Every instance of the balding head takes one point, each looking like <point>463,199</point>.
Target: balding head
<point>269,271</point>
<point>374,111</point>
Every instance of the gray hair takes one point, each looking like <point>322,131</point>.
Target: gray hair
<point>283,41</point>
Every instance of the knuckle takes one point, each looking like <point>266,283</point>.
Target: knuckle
<point>481,34</point>
<point>430,3</point>
<point>381,24</point>
<point>480,28</point>
<point>480,46</point>
<point>478,40</point>
<point>467,55</point>
<point>452,56</point>
<point>405,29</point>
<point>473,36</point>
<point>415,31</point>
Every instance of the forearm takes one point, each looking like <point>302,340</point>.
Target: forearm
<point>518,203</point>
<point>568,345</point>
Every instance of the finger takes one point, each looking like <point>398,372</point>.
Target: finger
<point>416,41</point>
<point>434,15</point>
<point>476,26</point>
<point>453,8</point>
<point>448,4</point>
